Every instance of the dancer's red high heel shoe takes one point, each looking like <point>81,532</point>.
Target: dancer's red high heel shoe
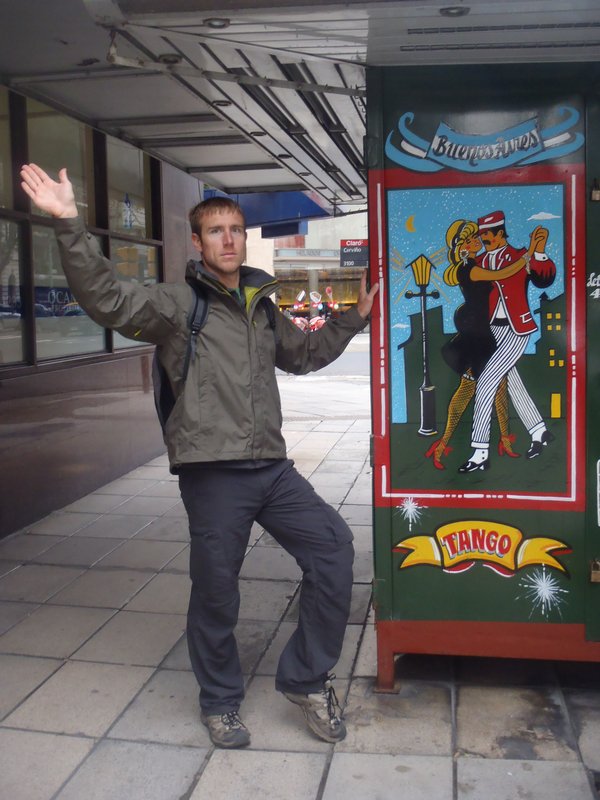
<point>505,446</point>
<point>431,453</point>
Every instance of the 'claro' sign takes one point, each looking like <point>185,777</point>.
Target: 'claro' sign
<point>354,253</point>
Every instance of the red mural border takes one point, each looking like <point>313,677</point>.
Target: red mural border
<point>572,176</point>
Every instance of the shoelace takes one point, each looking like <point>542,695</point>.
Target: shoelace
<point>334,710</point>
<point>232,720</point>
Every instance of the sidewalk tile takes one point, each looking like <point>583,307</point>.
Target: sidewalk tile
<point>513,722</point>
<point>584,709</point>
<point>7,567</point>
<point>126,486</point>
<point>146,505</point>
<point>251,636</point>
<point>20,676</point>
<point>357,515</point>
<point>78,551</point>
<point>181,562</point>
<point>35,583</point>
<point>414,721</point>
<point>102,588</point>
<point>270,563</point>
<point>363,567</point>
<point>97,503</point>
<point>55,631</point>
<point>133,637</point>
<point>506,672</point>
<point>176,511</point>
<point>166,529</point>
<point>116,526</point>
<point>142,554</point>
<point>11,613</point>
<point>482,778</point>
<point>359,606</point>
<point>35,765</point>
<point>265,600</point>
<point>389,777</point>
<point>166,710</point>
<point>246,775</point>
<point>132,771</point>
<point>80,699</point>
<point>62,523</point>
<point>167,593</point>
<point>163,488</point>
<point>268,665</point>
<point>366,663</point>
<point>26,546</point>
<point>158,472</point>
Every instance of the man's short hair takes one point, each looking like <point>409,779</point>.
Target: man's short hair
<point>213,205</point>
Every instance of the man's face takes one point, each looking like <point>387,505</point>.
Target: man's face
<point>222,244</point>
<point>492,240</point>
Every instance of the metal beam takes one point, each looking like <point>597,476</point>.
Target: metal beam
<point>243,80</point>
<point>174,119</point>
<point>193,141</point>
<point>233,167</point>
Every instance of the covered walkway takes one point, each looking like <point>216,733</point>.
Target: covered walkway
<point>98,701</point>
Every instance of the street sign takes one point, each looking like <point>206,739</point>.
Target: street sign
<point>354,253</point>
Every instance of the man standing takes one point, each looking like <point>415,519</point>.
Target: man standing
<point>224,440</point>
<point>511,324</point>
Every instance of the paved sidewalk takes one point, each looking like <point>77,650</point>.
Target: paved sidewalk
<point>98,701</point>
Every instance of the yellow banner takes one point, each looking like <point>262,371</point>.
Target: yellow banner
<point>458,545</point>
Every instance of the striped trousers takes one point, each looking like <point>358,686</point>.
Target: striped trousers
<point>510,348</point>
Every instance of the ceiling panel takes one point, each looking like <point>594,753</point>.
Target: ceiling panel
<point>274,97</point>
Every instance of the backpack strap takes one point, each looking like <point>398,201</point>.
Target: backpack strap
<point>164,400</point>
<point>196,319</point>
<point>269,308</point>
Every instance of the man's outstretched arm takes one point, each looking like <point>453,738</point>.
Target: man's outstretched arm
<point>139,312</point>
<point>56,198</point>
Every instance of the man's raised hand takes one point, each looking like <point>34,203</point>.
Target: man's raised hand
<point>56,198</point>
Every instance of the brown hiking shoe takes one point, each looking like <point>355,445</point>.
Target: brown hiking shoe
<point>322,712</point>
<point>226,730</point>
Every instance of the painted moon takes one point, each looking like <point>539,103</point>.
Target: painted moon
<point>410,224</point>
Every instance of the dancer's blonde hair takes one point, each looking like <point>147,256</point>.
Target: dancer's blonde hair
<point>456,236</point>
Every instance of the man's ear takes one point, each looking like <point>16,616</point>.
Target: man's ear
<point>197,242</point>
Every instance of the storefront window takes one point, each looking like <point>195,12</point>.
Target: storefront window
<point>6,199</point>
<point>11,322</point>
<point>127,196</point>
<point>62,327</point>
<point>57,141</point>
<point>136,263</point>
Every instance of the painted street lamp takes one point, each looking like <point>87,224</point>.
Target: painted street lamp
<point>421,269</point>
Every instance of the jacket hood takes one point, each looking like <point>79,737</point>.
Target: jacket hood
<point>249,276</point>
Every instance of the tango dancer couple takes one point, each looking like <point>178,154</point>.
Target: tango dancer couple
<point>494,326</point>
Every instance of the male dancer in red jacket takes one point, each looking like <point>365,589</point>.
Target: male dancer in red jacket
<point>511,323</point>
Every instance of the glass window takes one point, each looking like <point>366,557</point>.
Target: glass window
<point>128,200</point>
<point>11,322</point>
<point>62,327</point>
<point>137,263</point>
<point>57,141</point>
<point>6,199</point>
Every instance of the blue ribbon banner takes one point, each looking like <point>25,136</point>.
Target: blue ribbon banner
<point>524,143</point>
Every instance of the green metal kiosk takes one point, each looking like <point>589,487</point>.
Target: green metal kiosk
<point>485,239</point>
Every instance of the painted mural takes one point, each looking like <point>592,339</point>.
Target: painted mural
<point>483,311</point>
<point>482,399</point>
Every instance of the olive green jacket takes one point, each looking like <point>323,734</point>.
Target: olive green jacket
<point>229,406</point>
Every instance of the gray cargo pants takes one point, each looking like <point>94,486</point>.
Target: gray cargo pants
<point>222,503</point>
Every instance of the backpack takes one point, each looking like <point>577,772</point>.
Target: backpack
<point>164,399</point>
